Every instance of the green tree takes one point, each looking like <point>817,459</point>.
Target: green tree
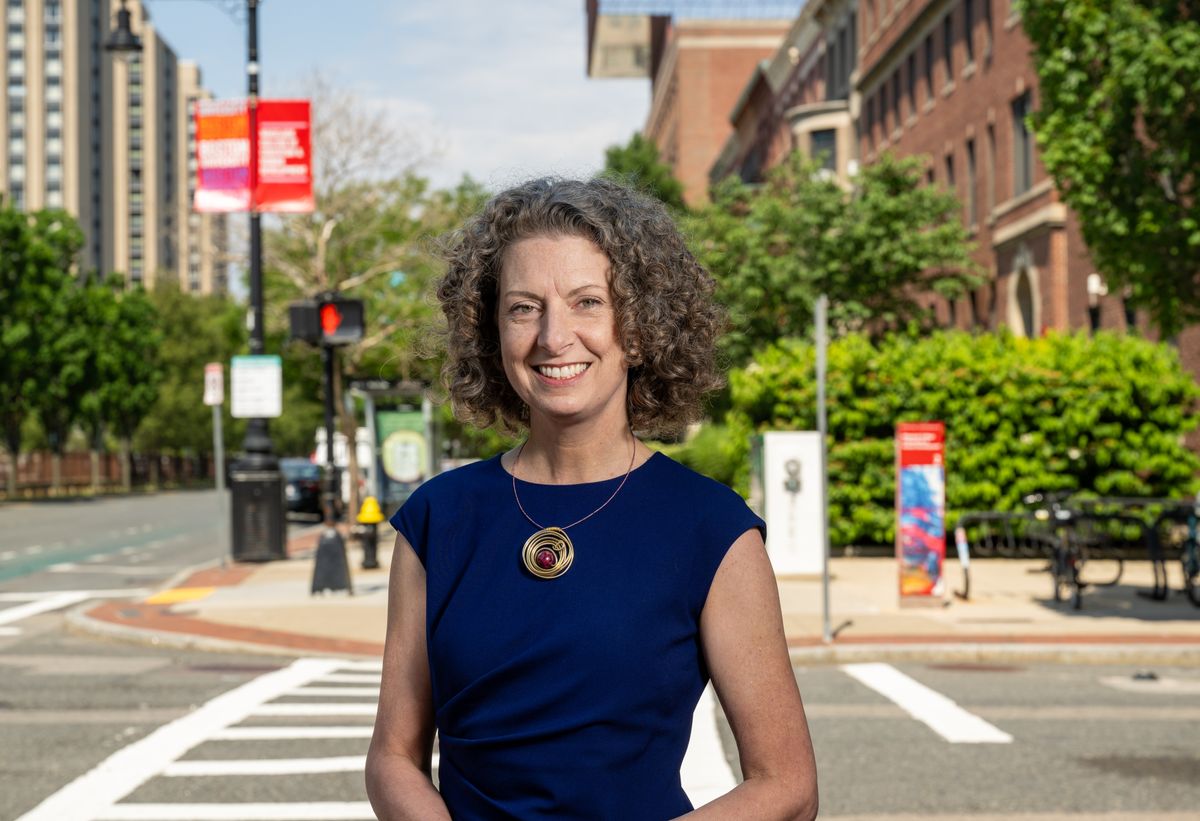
<point>126,369</point>
<point>1119,131</point>
<point>43,349</point>
<point>195,330</point>
<point>874,251</point>
<point>638,163</point>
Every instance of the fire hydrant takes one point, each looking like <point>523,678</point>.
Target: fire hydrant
<point>368,517</point>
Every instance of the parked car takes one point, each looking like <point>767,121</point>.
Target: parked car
<point>302,480</point>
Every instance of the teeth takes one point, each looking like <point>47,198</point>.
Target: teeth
<point>565,372</point>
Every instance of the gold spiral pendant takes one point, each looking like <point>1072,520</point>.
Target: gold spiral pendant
<point>548,553</point>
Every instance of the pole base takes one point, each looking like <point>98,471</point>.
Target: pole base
<point>331,570</point>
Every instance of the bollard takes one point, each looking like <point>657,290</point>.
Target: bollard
<point>369,516</point>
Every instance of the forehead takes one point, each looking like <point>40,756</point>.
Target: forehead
<point>561,258</point>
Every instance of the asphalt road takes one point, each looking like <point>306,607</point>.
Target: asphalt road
<point>183,735</point>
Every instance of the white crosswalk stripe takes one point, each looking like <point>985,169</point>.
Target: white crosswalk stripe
<point>234,717</point>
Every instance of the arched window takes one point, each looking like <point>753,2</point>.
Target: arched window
<point>1025,302</point>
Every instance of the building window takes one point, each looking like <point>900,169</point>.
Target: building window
<point>929,67</point>
<point>972,196</point>
<point>870,123</point>
<point>950,174</point>
<point>991,176</point>
<point>824,148</point>
<point>896,99</point>
<point>987,28</point>
<point>969,29</point>
<point>1025,302</point>
<point>948,47</point>
<point>1022,146</point>
<point>912,83</point>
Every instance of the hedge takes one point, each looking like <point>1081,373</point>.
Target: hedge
<point>1104,415</point>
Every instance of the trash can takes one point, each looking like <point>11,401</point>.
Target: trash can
<point>259,521</point>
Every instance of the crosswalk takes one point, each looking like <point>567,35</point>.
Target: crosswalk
<point>315,702</point>
<point>35,604</point>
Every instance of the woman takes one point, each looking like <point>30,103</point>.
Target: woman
<point>556,612</point>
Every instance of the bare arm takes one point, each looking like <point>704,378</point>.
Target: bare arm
<point>399,769</point>
<point>741,630</point>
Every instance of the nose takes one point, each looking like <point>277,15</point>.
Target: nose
<point>555,334</point>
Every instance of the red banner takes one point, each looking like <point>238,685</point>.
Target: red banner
<point>283,178</point>
<point>280,180</point>
<point>920,508</point>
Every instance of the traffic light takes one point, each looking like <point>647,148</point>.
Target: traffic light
<point>329,321</point>
<point>341,320</point>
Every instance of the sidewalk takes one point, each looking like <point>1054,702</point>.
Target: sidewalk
<point>1010,617</point>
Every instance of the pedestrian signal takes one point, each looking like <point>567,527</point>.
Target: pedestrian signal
<point>341,321</point>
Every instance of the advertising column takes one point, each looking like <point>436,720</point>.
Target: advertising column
<point>921,511</point>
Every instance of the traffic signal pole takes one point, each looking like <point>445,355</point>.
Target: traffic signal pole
<point>331,570</point>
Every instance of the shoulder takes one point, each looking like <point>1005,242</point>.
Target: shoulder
<point>451,486</point>
<point>706,496</point>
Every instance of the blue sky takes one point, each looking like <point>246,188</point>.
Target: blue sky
<point>494,88</point>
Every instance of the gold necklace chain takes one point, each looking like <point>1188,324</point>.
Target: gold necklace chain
<point>517,461</point>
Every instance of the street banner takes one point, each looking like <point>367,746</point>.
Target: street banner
<point>222,156</point>
<point>214,383</point>
<point>921,510</point>
<point>283,178</point>
<point>256,385</point>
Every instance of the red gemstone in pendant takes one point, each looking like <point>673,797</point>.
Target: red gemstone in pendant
<point>546,558</point>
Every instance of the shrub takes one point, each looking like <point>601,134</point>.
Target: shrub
<point>1103,415</point>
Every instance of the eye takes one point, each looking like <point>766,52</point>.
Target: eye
<point>590,302</point>
<point>521,308</point>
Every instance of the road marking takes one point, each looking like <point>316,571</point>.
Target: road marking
<point>350,678</point>
<point>705,773</point>
<point>268,766</point>
<point>315,710</point>
<point>363,666</point>
<point>10,631</point>
<point>62,567</point>
<point>56,601</point>
<point>34,550</point>
<point>370,692</point>
<point>93,793</point>
<point>292,733</point>
<point>105,593</point>
<point>317,811</point>
<point>180,594</point>
<point>116,570</point>
<point>930,707</point>
<point>7,554</point>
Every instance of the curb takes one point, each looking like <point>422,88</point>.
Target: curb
<point>80,623</point>
<point>1067,652</point>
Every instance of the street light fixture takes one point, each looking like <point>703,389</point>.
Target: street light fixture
<point>259,466</point>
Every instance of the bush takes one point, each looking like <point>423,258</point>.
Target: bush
<point>1103,415</point>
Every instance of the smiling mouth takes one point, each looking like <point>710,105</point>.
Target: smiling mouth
<point>561,371</point>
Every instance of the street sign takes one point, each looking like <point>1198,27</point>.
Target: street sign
<point>256,385</point>
<point>214,383</point>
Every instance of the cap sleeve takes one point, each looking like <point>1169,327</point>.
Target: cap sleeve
<point>726,518</point>
<point>412,522</point>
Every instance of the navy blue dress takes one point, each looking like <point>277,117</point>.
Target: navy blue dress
<point>568,698</point>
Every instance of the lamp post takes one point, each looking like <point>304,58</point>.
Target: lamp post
<point>257,472</point>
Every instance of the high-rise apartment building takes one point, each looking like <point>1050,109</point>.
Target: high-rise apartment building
<point>105,138</point>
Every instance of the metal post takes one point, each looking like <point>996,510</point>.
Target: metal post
<point>219,455</point>
<point>330,470</point>
<point>258,439</point>
<point>823,430</point>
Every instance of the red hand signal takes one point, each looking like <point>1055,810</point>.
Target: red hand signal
<point>331,319</point>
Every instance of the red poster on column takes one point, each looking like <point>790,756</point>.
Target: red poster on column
<point>283,179</point>
<point>920,509</point>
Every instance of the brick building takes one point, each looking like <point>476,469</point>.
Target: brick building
<point>951,80</point>
<point>697,56</point>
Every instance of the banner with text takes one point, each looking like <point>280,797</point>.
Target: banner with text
<point>920,509</point>
<point>222,156</point>
<point>281,180</point>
